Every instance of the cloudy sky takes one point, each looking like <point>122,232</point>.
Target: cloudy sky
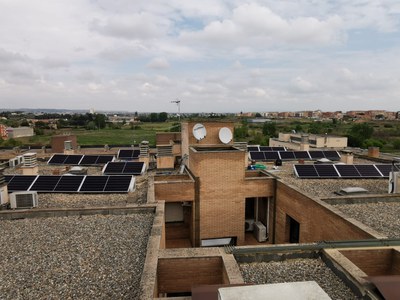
<point>213,55</point>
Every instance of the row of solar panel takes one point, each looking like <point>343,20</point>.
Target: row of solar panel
<point>128,154</point>
<point>265,148</point>
<point>77,159</point>
<point>343,171</point>
<point>70,184</point>
<point>294,155</point>
<point>132,168</point>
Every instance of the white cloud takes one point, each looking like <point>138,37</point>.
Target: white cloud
<point>258,26</point>
<point>255,91</point>
<point>215,54</point>
<point>158,63</point>
<point>132,26</point>
<point>302,85</point>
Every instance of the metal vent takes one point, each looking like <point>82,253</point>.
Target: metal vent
<point>144,149</point>
<point>25,200</point>
<point>164,150</point>
<point>30,160</point>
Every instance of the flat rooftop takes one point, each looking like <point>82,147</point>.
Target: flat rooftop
<point>75,257</point>
<point>294,270</point>
<point>381,216</point>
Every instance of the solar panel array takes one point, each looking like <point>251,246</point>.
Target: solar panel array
<point>131,168</point>
<point>128,154</point>
<point>77,159</point>
<point>265,148</point>
<point>293,155</point>
<point>71,183</point>
<point>343,171</point>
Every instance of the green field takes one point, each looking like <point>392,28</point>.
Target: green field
<point>123,136</point>
<point>386,134</point>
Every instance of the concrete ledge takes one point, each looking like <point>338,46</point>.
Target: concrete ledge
<point>65,212</point>
<point>148,283</point>
<point>362,199</point>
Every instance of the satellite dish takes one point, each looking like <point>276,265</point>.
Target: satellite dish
<point>199,131</point>
<point>225,135</point>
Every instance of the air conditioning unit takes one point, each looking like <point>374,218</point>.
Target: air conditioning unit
<point>260,232</point>
<point>249,225</point>
<point>23,200</point>
<point>394,182</point>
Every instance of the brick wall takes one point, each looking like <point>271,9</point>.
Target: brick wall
<point>180,274</point>
<point>317,221</point>
<point>164,138</point>
<point>174,191</point>
<point>57,142</point>
<point>212,137</point>
<point>221,193</point>
<point>375,262</point>
<point>165,162</point>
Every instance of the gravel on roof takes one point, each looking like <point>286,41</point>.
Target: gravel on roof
<point>328,187</point>
<point>294,270</point>
<point>381,216</point>
<point>88,257</point>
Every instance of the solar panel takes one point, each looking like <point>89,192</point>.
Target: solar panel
<point>103,159</point>
<point>332,155</point>
<point>386,169</point>
<point>8,178</point>
<point>301,154</point>
<point>69,183</point>
<point>316,154</point>
<point>125,153</point>
<point>89,160</point>
<point>287,155</point>
<point>114,168</point>
<point>94,183</point>
<point>271,155</point>
<point>265,148</point>
<point>326,171</point>
<point>253,148</point>
<point>257,155</point>
<point>136,153</point>
<point>57,159</point>
<point>368,171</point>
<point>73,159</point>
<point>118,184</point>
<point>348,171</point>
<point>306,171</point>
<point>20,182</point>
<point>45,183</point>
<point>278,149</point>
<point>134,168</point>
<point>128,154</point>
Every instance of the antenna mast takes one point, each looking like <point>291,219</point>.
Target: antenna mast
<point>178,103</point>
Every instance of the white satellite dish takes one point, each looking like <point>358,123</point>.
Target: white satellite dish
<point>225,135</point>
<point>199,131</point>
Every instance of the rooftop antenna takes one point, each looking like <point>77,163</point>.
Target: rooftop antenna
<point>178,103</point>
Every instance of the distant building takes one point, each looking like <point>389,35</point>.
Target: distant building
<point>19,132</point>
<point>301,141</point>
<point>258,120</point>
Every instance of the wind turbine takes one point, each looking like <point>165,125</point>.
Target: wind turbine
<point>178,103</point>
